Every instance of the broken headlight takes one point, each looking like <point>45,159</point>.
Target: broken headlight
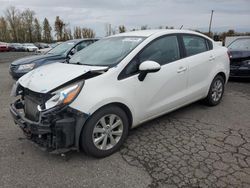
<point>63,96</point>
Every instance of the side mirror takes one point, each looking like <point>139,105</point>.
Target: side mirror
<point>148,67</point>
<point>71,53</point>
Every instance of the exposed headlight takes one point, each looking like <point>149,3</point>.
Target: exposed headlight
<point>63,96</point>
<point>27,67</point>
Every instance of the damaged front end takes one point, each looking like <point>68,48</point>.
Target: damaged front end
<point>46,118</point>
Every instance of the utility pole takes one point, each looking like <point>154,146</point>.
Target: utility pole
<point>211,19</point>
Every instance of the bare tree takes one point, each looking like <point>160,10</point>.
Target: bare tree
<point>66,32</point>
<point>28,19</point>
<point>77,33</point>
<point>37,31</point>
<point>12,15</point>
<point>144,27</point>
<point>108,29</point>
<point>46,31</point>
<point>4,34</point>
<point>59,26</point>
<point>70,36</point>
<point>122,29</point>
<point>88,33</point>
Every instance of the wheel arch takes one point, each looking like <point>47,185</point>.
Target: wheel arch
<point>124,107</point>
<point>221,73</point>
<point>79,128</point>
<point>223,76</point>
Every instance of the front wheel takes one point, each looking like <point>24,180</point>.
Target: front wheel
<point>105,131</point>
<point>216,91</point>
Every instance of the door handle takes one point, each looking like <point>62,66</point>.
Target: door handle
<point>181,69</point>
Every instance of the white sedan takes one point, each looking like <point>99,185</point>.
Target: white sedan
<point>115,84</point>
<point>29,47</point>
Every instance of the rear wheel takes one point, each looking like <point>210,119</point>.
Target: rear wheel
<point>105,131</point>
<point>216,91</point>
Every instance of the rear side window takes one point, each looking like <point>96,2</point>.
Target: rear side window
<point>194,44</point>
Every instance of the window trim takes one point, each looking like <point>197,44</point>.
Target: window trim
<point>123,75</point>
<point>209,44</point>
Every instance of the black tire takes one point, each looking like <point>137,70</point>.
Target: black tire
<point>210,100</point>
<point>86,140</point>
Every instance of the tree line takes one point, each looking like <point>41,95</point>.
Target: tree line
<point>24,26</point>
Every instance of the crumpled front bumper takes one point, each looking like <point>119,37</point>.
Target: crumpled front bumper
<point>56,131</point>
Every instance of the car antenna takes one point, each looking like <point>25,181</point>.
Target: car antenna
<point>181,27</point>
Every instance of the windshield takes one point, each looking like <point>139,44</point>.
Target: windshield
<point>240,44</point>
<point>62,48</point>
<point>106,52</point>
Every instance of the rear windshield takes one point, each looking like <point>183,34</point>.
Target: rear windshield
<point>240,44</point>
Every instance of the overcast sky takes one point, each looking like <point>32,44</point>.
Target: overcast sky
<point>194,14</point>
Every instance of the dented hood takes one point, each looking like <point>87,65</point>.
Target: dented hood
<point>46,78</point>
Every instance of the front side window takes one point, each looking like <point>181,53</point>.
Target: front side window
<point>106,52</point>
<point>194,44</point>
<point>240,44</point>
<point>82,45</point>
<point>163,50</point>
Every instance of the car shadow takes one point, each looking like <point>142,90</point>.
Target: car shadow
<point>81,155</point>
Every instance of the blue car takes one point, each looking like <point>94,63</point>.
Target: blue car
<point>60,53</point>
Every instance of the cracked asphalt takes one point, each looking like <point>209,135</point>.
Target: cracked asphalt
<point>195,146</point>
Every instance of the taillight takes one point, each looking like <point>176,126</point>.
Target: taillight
<point>229,55</point>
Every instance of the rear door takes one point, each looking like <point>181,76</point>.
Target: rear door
<point>200,60</point>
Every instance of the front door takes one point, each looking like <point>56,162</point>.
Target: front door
<point>161,91</point>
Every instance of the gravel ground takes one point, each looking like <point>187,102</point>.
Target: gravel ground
<point>196,146</point>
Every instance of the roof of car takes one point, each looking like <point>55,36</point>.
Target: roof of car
<point>79,40</point>
<point>147,33</point>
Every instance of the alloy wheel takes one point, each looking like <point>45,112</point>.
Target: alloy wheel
<point>107,132</point>
<point>217,90</point>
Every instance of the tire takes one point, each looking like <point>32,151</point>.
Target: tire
<point>101,122</point>
<point>216,91</point>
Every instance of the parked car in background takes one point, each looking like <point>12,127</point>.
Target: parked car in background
<point>16,47</point>
<point>4,47</point>
<point>41,45</point>
<point>60,53</point>
<point>29,47</point>
<point>239,51</point>
<point>230,39</point>
<point>45,50</point>
<point>117,83</point>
